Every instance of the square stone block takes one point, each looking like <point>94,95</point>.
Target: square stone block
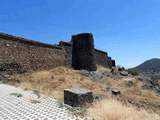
<point>77,97</point>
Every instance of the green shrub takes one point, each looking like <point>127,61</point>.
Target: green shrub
<point>133,71</point>
<point>17,94</point>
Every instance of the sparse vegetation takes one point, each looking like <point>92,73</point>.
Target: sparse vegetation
<point>17,94</point>
<point>114,110</point>
<point>54,81</point>
<point>77,111</point>
<point>150,66</point>
<point>133,71</point>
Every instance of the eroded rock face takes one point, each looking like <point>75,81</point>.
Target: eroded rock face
<point>83,52</point>
<point>151,84</point>
<point>77,97</point>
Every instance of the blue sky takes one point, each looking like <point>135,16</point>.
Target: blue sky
<point>129,30</point>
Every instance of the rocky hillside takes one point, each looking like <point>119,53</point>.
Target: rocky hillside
<point>152,65</point>
<point>103,82</point>
<point>150,68</point>
<point>151,72</point>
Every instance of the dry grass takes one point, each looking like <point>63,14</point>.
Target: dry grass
<point>54,81</point>
<point>135,95</point>
<point>114,110</point>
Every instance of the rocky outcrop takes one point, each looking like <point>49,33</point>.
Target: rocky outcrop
<point>151,84</point>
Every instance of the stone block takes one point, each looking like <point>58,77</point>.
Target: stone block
<point>77,97</point>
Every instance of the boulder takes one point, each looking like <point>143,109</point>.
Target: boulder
<point>130,83</point>
<point>124,73</point>
<point>83,52</point>
<point>151,84</point>
<point>96,75</point>
<point>120,68</point>
<point>116,92</point>
<point>97,97</point>
<point>4,76</point>
<point>77,97</point>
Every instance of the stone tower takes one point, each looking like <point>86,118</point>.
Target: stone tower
<point>83,54</point>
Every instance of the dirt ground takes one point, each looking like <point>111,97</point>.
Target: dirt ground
<point>54,81</point>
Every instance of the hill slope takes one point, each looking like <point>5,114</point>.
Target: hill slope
<point>53,82</point>
<point>150,66</point>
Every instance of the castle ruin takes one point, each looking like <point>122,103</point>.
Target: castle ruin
<point>20,55</point>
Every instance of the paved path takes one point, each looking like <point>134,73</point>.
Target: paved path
<point>17,104</point>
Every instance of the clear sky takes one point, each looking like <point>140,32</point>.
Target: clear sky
<point>129,30</point>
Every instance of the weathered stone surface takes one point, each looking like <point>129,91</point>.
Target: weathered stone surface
<point>109,62</point>
<point>124,73</point>
<point>120,68</point>
<point>77,97</point>
<point>97,97</point>
<point>116,92</point>
<point>83,52</point>
<point>22,55</point>
<point>130,83</point>
<point>4,77</point>
<point>113,63</point>
<point>11,68</point>
<point>101,57</point>
<point>96,75</point>
<point>151,84</point>
<point>19,55</point>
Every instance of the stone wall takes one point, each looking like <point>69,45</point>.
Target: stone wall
<point>28,55</point>
<point>21,55</point>
<point>101,57</point>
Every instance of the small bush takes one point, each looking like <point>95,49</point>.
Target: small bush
<point>133,71</point>
<point>17,94</point>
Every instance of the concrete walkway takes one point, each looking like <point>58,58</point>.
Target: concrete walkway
<point>17,104</point>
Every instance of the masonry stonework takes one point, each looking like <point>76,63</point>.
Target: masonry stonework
<point>29,57</point>
<point>22,55</point>
<point>101,57</point>
<point>83,52</point>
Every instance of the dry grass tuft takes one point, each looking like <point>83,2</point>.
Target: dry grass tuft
<point>114,110</point>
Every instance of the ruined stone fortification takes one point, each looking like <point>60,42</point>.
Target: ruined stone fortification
<point>20,55</point>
